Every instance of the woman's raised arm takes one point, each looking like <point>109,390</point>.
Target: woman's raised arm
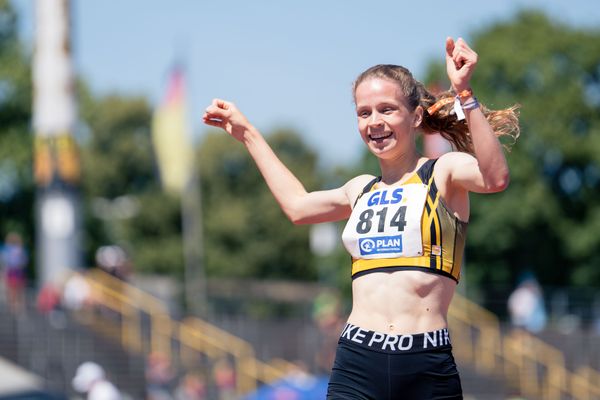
<point>487,171</point>
<point>299,206</point>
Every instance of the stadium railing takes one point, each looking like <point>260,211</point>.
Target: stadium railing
<point>529,365</point>
<point>142,323</point>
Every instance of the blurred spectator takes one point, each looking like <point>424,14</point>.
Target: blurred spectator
<point>91,379</point>
<point>526,305</point>
<point>48,299</point>
<point>327,317</point>
<point>224,376</point>
<point>114,260</point>
<point>76,293</point>
<point>191,387</point>
<point>14,259</point>
<point>159,377</point>
<point>48,304</point>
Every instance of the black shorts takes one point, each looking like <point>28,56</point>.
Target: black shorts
<point>375,366</point>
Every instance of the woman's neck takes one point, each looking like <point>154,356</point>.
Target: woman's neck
<point>395,170</point>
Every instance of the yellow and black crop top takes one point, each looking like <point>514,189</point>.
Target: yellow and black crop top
<point>405,227</point>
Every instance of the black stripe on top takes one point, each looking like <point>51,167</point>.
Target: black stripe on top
<point>367,188</point>
<point>394,268</point>
<point>425,173</point>
<point>426,170</point>
<point>433,240</point>
<point>454,249</point>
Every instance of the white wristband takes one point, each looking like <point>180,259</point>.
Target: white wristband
<point>460,115</point>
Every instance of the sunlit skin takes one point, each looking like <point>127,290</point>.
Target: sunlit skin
<point>403,301</point>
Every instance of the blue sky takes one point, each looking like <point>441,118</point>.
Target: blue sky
<point>284,63</point>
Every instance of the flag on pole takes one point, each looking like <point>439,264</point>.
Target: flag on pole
<point>170,135</point>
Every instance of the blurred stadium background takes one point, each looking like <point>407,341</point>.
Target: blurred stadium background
<point>167,262</point>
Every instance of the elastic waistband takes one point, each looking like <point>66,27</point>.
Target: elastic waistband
<point>395,344</point>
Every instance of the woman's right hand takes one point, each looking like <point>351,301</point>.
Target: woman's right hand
<point>225,115</point>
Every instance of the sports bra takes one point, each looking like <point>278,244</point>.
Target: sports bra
<point>405,227</point>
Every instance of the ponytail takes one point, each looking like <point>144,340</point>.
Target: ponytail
<point>443,120</point>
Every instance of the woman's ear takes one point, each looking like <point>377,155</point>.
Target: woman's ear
<point>418,117</point>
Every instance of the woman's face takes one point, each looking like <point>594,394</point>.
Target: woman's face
<point>385,121</point>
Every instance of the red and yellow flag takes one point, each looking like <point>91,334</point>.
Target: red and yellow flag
<point>171,136</point>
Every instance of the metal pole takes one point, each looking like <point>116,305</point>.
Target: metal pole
<point>56,166</point>
<point>193,249</point>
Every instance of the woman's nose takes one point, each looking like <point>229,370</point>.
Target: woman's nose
<point>375,120</point>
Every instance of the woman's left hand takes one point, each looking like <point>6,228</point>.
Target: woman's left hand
<point>460,63</point>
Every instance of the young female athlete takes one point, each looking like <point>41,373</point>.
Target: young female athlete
<point>406,228</point>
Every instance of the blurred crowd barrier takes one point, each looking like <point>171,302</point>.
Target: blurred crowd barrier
<point>199,353</point>
<point>529,365</point>
<point>189,358</point>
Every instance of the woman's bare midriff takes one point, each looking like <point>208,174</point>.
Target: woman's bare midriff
<point>401,302</point>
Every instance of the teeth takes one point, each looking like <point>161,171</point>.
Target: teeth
<point>380,136</point>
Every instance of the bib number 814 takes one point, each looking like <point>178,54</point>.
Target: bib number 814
<point>365,220</point>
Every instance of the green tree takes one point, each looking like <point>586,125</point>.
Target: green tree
<point>246,233</point>
<point>122,197</point>
<point>16,181</point>
<point>548,220</point>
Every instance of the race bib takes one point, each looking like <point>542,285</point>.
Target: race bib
<point>386,223</point>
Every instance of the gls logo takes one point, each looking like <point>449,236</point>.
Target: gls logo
<point>380,197</point>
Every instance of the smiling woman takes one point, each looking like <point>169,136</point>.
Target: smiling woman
<point>406,228</point>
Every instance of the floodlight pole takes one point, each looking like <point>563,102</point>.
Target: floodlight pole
<point>195,285</point>
<point>56,158</point>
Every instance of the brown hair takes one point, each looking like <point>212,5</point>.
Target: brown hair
<point>443,121</point>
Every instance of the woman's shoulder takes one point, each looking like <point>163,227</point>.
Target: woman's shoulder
<point>361,181</point>
<point>356,185</point>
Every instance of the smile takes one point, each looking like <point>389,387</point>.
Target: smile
<point>380,136</point>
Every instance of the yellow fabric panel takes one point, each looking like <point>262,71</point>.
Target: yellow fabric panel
<point>450,236</point>
<point>438,235</point>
